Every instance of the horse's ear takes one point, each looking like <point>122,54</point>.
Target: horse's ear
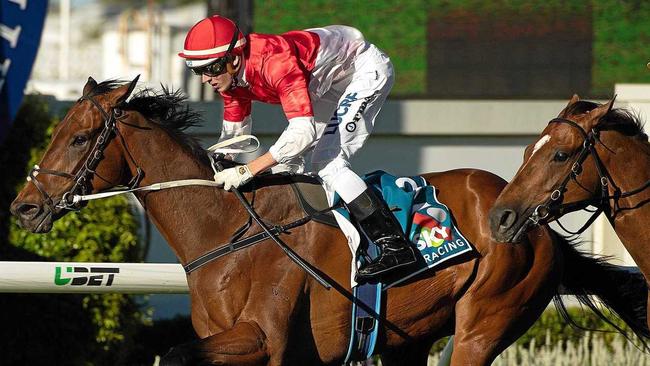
<point>597,113</point>
<point>574,99</point>
<point>122,93</point>
<point>90,85</point>
<point>602,109</point>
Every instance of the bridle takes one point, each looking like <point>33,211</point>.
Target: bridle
<point>554,207</point>
<point>82,178</point>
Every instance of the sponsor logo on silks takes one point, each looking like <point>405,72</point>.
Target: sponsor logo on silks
<point>343,109</point>
<point>352,125</point>
<point>85,276</point>
<point>340,111</point>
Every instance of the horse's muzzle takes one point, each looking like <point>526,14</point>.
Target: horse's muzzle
<point>506,225</point>
<point>32,216</point>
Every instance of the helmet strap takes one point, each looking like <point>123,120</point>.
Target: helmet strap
<point>230,67</point>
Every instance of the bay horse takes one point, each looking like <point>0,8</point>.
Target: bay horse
<point>256,307</point>
<point>590,155</point>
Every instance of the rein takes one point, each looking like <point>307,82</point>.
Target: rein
<point>554,206</point>
<point>222,147</point>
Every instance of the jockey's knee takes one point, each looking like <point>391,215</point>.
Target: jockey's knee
<point>329,171</point>
<point>338,177</point>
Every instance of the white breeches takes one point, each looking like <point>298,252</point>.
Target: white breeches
<point>345,117</point>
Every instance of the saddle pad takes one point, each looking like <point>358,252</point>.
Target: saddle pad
<point>426,222</point>
<point>429,226</point>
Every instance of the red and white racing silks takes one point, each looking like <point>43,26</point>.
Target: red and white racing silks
<point>290,68</point>
<point>330,82</point>
<point>294,69</point>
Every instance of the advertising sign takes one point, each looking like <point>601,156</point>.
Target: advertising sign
<point>21,25</point>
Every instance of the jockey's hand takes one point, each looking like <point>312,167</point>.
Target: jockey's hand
<point>233,177</point>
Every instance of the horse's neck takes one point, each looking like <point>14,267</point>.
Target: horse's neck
<point>191,219</point>
<point>630,169</point>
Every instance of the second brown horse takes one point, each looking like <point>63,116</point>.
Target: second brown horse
<point>591,154</point>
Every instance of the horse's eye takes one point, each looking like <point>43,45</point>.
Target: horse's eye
<point>80,140</point>
<point>561,156</point>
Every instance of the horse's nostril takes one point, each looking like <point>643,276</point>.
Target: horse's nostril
<point>26,210</point>
<point>508,218</point>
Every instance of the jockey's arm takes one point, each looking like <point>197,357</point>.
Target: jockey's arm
<point>230,129</point>
<point>296,138</point>
<point>291,84</point>
<point>262,163</point>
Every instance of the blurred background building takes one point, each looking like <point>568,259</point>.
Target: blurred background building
<point>475,81</point>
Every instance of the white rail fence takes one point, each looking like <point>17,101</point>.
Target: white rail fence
<point>86,277</point>
<point>75,277</point>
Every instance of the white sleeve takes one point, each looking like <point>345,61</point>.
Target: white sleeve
<point>230,129</point>
<point>296,138</point>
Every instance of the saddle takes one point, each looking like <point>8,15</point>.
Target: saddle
<point>312,198</point>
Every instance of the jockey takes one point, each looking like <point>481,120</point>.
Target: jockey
<point>331,84</point>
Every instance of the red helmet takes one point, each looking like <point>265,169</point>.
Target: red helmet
<point>211,38</point>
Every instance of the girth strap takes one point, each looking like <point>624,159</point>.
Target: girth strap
<point>241,244</point>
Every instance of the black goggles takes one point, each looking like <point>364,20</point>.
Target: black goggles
<point>216,68</point>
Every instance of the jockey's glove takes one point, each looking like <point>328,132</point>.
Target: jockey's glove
<point>233,177</point>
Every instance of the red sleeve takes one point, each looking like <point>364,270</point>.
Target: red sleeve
<point>291,83</point>
<point>235,109</point>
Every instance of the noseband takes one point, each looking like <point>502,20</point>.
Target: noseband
<point>82,178</point>
<point>554,207</point>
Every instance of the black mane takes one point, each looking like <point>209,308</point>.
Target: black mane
<point>618,119</point>
<point>167,109</point>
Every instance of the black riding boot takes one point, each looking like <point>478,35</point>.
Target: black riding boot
<point>382,228</point>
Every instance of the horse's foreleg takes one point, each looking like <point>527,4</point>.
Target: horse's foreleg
<point>486,327</point>
<point>499,308</point>
<point>244,344</point>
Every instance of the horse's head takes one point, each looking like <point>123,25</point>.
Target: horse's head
<point>83,157</point>
<point>559,173</point>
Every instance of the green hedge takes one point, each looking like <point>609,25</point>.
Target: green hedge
<point>63,329</point>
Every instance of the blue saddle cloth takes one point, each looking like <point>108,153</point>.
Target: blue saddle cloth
<point>427,222</point>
